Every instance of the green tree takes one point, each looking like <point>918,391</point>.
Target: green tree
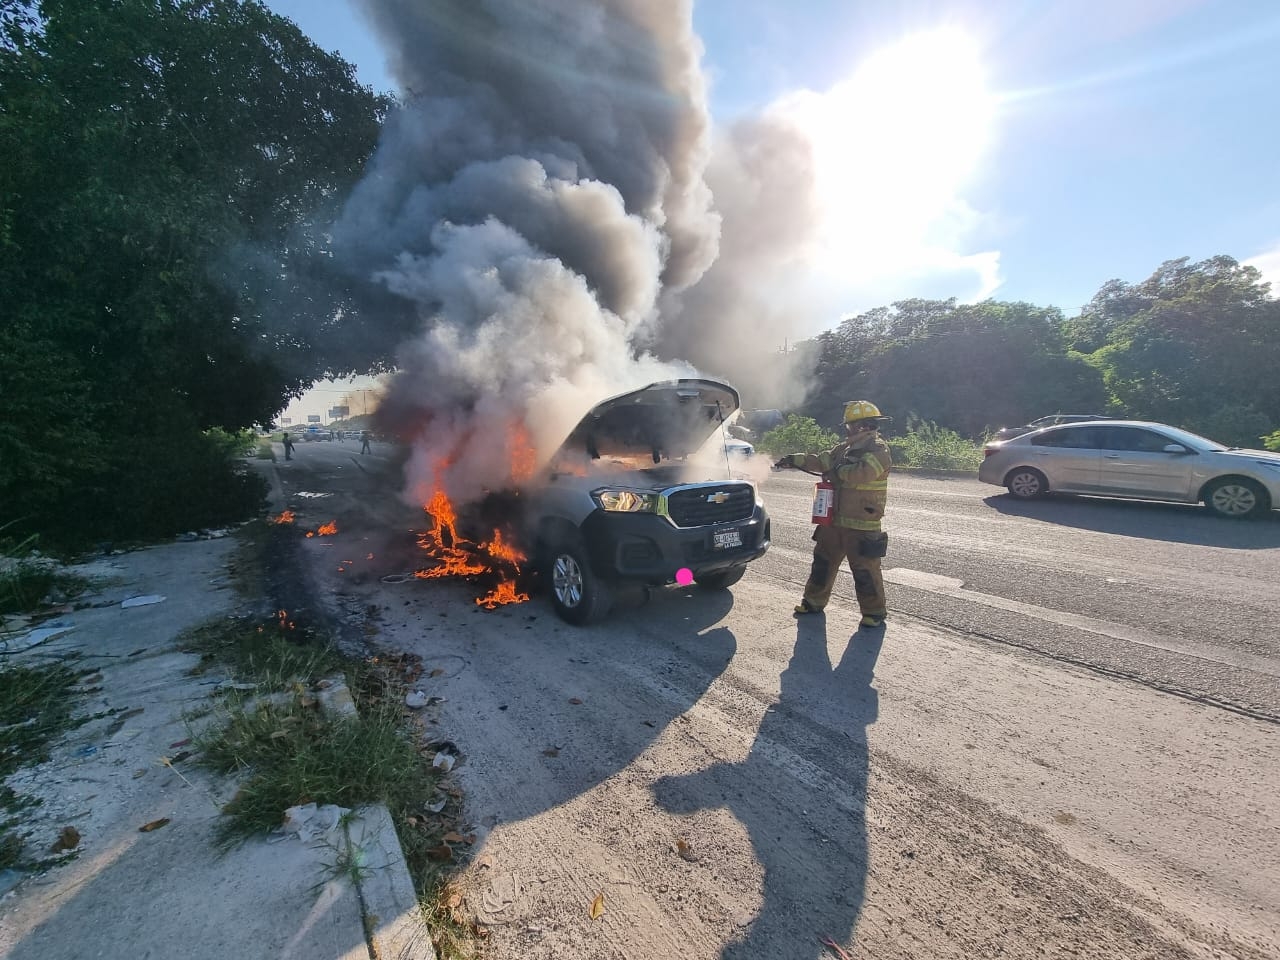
<point>798,435</point>
<point>965,366</point>
<point>1195,344</point>
<point>161,156</point>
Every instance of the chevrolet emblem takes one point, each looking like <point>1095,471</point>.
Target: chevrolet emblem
<point>718,497</point>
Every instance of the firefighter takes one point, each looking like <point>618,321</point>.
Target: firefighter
<point>858,467</point>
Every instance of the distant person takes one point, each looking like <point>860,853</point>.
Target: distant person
<point>364,441</point>
<point>342,436</point>
<point>288,445</point>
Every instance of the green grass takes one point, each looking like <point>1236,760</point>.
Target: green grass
<point>931,447</point>
<point>268,654</point>
<point>287,751</point>
<point>295,753</point>
<point>26,579</point>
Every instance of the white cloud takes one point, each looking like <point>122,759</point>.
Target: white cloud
<point>894,148</point>
<point>1268,264</point>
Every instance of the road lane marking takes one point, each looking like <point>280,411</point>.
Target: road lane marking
<point>951,587</point>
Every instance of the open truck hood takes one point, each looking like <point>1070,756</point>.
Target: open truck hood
<point>663,420</point>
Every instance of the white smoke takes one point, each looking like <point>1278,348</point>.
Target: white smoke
<point>540,189</point>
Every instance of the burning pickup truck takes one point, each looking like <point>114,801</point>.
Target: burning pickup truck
<point>625,501</point>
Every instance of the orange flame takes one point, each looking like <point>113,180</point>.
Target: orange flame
<point>499,549</point>
<point>328,529</point>
<point>456,556</point>
<point>286,517</point>
<point>524,458</point>
<point>503,593</point>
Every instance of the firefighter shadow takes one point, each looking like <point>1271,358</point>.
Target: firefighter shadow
<point>801,795</point>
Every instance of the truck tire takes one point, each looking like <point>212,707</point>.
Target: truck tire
<point>577,593</point>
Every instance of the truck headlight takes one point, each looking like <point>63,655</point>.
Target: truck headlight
<point>626,501</point>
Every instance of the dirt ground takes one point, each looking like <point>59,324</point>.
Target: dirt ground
<point>724,807</point>
<point>703,776</point>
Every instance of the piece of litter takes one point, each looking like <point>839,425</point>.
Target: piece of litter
<point>34,638</point>
<point>437,805</point>
<point>415,700</point>
<point>443,761</point>
<point>153,825</point>
<point>143,601</point>
<point>311,822</point>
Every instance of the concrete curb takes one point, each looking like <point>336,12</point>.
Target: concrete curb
<point>393,922</point>
<point>394,925</point>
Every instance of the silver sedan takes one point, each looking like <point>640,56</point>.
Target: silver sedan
<point>1132,458</point>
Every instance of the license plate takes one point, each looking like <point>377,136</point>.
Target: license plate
<point>725,539</point>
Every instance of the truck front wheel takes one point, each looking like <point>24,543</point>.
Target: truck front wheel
<point>577,593</point>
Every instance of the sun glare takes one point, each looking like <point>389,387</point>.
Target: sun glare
<point>895,141</point>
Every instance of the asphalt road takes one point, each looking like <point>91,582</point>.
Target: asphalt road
<point>1063,744</point>
<point>1161,593</point>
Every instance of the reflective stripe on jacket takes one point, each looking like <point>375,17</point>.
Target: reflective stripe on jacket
<point>861,478</point>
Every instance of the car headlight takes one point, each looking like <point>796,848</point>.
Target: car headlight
<point>626,501</point>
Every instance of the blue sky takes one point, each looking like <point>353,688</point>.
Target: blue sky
<point>1031,149</point>
<point>1120,133</point>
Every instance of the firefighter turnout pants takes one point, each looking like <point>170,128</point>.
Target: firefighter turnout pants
<point>863,550</point>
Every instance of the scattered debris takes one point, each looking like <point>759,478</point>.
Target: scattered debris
<point>310,822</point>
<point>835,948</point>
<point>444,761</point>
<point>686,852</point>
<point>575,701</point>
<point>68,839</point>
<point>153,825</point>
<point>442,853</point>
<point>35,638</point>
<point>144,601</point>
<point>415,700</point>
<point>597,907</point>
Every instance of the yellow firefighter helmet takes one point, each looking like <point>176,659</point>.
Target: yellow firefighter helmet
<point>856,410</point>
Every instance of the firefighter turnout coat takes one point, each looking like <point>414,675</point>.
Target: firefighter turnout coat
<point>860,473</point>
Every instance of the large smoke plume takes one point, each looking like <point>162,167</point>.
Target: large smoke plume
<point>541,202</point>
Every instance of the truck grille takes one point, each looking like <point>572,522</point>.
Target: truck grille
<point>711,503</point>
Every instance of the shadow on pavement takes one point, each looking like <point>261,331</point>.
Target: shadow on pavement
<point>808,830</point>
<point>1146,519</point>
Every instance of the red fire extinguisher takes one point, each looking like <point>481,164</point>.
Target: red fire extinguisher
<point>824,503</point>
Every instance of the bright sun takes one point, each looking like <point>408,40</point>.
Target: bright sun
<point>895,141</point>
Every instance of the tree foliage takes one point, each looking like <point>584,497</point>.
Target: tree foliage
<point>1195,344</point>
<point>158,155</point>
<point>965,366</point>
<point>798,435</point>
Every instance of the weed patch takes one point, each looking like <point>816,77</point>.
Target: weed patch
<point>27,579</point>
<point>929,446</point>
<point>36,707</point>
<point>274,654</point>
<point>287,751</point>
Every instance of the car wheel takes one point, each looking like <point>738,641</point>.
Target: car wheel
<point>1235,498</point>
<point>578,595</point>
<point>721,579</point>
<point>1026,483</point>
